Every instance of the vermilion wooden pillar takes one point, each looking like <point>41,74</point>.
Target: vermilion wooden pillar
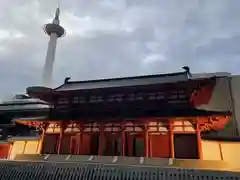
<point>62,129</point>
<point>44,128</point>
<point>171,139</point>
<point>80,139</point>
<point>146,140</point>
<point>150,145</point>
<point>199,141</point>
<point>101,139</point>
<point>10,151</point>
<point>123,139</point>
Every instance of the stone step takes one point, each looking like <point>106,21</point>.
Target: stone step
<point>22,170</point>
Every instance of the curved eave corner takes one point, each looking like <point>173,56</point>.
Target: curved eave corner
<point>217,123</point>
<point>38,89</point>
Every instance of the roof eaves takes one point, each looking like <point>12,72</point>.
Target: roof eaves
<point>122,78</point>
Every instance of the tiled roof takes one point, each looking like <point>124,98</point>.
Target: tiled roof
<point>124,82</point>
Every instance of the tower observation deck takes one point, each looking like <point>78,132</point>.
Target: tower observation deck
<point>55,31</point>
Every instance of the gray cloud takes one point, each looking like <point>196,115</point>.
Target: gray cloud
<point>117,38</point>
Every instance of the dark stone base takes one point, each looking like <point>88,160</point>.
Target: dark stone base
<point>19,170</point>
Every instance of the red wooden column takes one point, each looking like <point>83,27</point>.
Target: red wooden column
<point>123,133</point>
<point>199,141</point>
<point>10,150</point>
<point>44,128</point>
<point>146,140</point>
<point>80,139</point>
<point>62,129</point>
<point>150,145</point>
<point>171,139</point>
<point>101,139</point>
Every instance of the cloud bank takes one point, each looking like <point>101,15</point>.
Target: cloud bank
<point>117,38</point>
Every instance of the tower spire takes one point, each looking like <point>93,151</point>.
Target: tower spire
<point>55,31</point>
<point>57,14</point>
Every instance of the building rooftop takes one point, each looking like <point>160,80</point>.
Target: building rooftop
<point>143,80</point>
<point>123,81</point>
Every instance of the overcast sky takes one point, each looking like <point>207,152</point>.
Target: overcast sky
<point>112,38</point>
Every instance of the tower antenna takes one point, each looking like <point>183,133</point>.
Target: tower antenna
<point>55,31</point>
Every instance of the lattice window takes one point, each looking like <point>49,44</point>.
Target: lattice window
<point>91,127</point>
<point>78,100</point>
<point>112,127</point>
<point>152,96</point>
<point>119,97</point>
<point>160,95</point>
<point>173,95</point>
<point>111,98</point>
<point>63,100</point>
<point>182,94</point>
<point>96,99</point>
<point>100,99</point>
<point>130,97</point>
<point>115,97</point>
<point>139,96</point>
<point>157,127</point>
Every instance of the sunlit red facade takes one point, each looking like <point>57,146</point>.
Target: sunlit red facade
<point>147,116</point>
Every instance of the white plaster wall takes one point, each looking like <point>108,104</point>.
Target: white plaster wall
<point>235,84</point>
<point>220,100</point>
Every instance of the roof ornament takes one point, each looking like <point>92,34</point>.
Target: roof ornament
<point>66,80</point>
<point>187,69</point>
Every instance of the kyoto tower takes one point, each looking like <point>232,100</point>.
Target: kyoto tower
<point>55,31</point>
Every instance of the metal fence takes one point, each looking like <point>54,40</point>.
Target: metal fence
<point>23,170</point>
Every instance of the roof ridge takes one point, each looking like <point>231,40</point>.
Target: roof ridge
<point>126,77</point>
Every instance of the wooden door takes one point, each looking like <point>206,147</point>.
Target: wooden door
<point>135,145</point>
<point>50,144</point>
<point>73,145</point>
<point>94,144</point>
<point>85,145</point>
<point>66,143</point>
<point>160,146</point>
<point>185,146</point>
<point>113,145</point>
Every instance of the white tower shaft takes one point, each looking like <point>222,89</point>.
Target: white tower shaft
<point>54,30</point>
<point>50,57</point>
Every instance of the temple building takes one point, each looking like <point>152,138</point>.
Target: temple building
<point>145,116</point>
<point>18,106</point>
